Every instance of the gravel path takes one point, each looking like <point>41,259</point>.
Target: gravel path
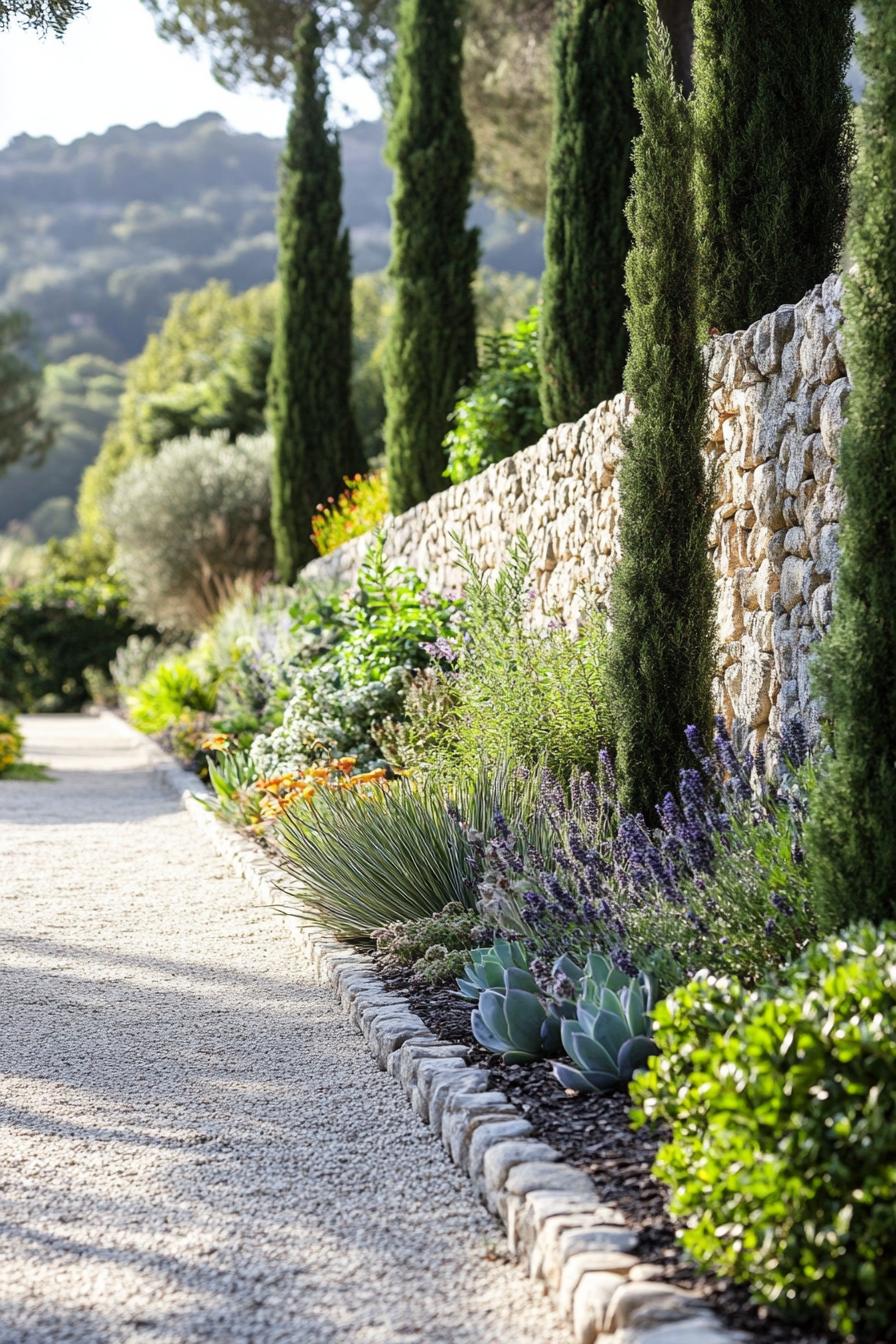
<point>193,1143</point>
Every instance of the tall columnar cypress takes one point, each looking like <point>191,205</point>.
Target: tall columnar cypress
<point>663,603</point>
<point>852,833</point>
<point>598,47</point>
<point>431,348</point>
<point>316,439</point>
<point>773,119</point>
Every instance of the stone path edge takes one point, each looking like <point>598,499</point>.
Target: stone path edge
<point>578,1249</point>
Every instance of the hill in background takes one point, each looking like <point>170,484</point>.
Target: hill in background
<point>96,236</point>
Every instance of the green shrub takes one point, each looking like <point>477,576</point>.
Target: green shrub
<point>191,525</point>
<point>50,632</point>
<point>172,691</point>
<point>500,413</point>
<point>434,947</point>
<point>782,1108</point>
<point>523,696</point>
<point>427,723</point>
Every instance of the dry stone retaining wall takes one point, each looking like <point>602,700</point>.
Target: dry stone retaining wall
<point>778,392</point>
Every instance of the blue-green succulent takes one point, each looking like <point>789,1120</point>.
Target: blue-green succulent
<point>609,1039</point>
<point>486,967</point>
<point>513,1021</point>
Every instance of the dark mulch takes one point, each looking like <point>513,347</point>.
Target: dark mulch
<point>593,1132</point>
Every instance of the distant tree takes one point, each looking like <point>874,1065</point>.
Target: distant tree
<point>774,143</point>
<point>206,369</point>
<point>46,16</point>
<point>663,598</point>
<point>598,48</point>
<point>252,40</point>
<point>315,435</point>
<point>431,350</point>
<point>852,833</point>
<point>24,434</point>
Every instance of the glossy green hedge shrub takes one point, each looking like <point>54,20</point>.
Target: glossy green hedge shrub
<point>782,1109</point>
<point>50,632</point>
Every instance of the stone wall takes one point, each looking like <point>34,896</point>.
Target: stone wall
<point>776,411</point>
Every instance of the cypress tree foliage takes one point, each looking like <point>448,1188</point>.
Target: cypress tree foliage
<point>663,602</point>
<point>431,348</point>
<point>598,47</point>
<point>852,832</point>
<point>316,441</point>
<point>774,144</point>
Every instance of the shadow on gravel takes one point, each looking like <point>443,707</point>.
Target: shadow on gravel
<point>86,797</point>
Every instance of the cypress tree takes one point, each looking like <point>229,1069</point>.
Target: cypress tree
<point>431,348</point>
<point>663,600</point>
<point>598,47</point>
<point>773,119</point>
<point>316,439</point>
<point>852,832</point>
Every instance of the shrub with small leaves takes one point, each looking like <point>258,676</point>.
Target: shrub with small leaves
<point>782,1107</point>
<point>435,946</point>
<point>11,740</point>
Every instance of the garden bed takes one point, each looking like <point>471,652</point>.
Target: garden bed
<point>593,1132</point>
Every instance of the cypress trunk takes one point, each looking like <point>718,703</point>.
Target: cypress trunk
<point>598,48</point>
<point>852,832</point>
<point>773,120</point>
<point>431,350</point>
<point>663,600</point>
<point>309,400</point>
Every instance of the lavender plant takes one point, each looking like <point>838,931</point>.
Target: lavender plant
<point>717,881</point>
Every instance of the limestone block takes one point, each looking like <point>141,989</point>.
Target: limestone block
<point>792,581</point>
<point>487,1135</point>
<point>766,496</point>
<point>831,502</point>
<point>648,1303</point>
<point>832,416</point>
<point>828,548</point>
<point>822,606</point>
<point>796,542</point>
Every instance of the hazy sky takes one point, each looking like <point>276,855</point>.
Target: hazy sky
<point>110,68</point>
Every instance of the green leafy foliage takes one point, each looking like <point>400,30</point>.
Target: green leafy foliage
<point>193,524</point>
<point>782,1154</point>
<point>522,695</point>
<point>663,596</point>
<point>431,349</point>
<point>316,441</point>
<point>598,48</point>
<point>773,142</point>
<point>852,836</point>
<point>173,691</point>
<point>428,719</point>
<point>50,632</point>
<point>500,413</point>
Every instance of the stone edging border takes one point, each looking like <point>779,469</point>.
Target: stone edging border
<point>564,1238</point>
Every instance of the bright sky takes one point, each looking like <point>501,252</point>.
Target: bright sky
<point>111,69</point>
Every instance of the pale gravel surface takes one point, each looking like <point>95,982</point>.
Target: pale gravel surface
<point>194,1144</point>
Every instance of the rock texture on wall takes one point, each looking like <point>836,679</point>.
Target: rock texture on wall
<point>777,398</point>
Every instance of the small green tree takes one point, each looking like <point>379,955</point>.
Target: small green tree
<point>852,832</point>
<point>663,597</point>
<point>598,47</point>
<point>316,439</point>
<point>773,125</point>
<point>45,16</point>
<point>24,434</point>
<point>431,350</point>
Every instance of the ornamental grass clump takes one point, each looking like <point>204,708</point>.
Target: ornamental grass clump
<point>781,1107</point>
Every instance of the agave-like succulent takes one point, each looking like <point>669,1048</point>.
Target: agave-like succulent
<point>609,1038</point>
<point>513,1021</point>
<point>486,967</point>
